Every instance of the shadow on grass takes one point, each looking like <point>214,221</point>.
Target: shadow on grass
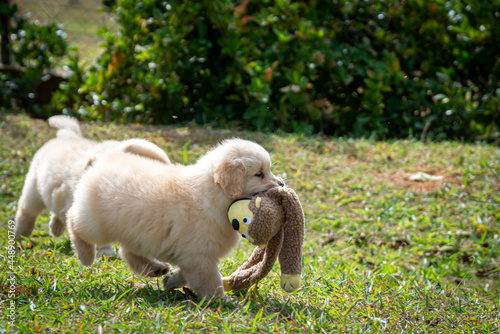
<point>155,297</point>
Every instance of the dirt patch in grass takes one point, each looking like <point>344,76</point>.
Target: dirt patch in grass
<point>401,179</point>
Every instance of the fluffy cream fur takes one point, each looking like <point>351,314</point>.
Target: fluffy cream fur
<point>168,213</point>
<point>57,167</point>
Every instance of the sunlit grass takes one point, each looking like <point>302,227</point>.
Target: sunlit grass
<point>80,20</point>
<point>381,254</point>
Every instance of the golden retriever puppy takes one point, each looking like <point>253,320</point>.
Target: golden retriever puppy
<point>57,167</point>
<point>173,213</point>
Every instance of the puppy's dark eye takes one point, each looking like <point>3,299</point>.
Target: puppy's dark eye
<point>259,174</point>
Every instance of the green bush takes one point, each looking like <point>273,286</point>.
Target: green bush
<point>36,51</point>
<point>378,69</point>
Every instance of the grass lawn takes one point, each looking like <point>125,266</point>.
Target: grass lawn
<point>382,253</point>
<point>81,20</point>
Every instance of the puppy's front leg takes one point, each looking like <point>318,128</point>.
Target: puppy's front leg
<point>57,227</point>
<point>204,278</point>
<point>85,252</point>
<point>142,265</point>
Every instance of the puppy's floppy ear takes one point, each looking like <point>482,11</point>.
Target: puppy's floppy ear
<point>231,177</point>
<point>88,163</point>
<point>145,149</point>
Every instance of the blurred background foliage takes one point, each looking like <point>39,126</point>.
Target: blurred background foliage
<point>375,69</point>
<point>28,70</point>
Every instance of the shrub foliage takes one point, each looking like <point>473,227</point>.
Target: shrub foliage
<point>35,51</point>
<point>377,69</point>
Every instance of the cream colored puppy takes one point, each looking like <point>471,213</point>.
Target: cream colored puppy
<point>168,213</point>
<point>57,167</point>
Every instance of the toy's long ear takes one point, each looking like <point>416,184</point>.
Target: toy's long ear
<point>256,267</point>
<point>145,149</point>
<point>290,258</point>
<point>231,177</point>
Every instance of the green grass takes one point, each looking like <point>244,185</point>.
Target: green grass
<point>381,254</point>
<point>81,20</point>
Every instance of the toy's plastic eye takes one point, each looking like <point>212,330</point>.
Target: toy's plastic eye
<point>245,236</point>
<point>236,224</point>
<point>247,221</point>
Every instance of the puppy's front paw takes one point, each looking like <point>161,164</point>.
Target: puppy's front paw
<point>157,270</point>
<point>174,280</point>
<point>107,251</point>
<point>57,227</point>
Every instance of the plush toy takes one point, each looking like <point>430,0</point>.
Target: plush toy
<point>274,221</point>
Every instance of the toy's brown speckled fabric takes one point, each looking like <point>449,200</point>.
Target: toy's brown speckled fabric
<point>278,222</point>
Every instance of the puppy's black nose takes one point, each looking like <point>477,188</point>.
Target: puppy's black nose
<point>236,224</point>
<point>281,184</point>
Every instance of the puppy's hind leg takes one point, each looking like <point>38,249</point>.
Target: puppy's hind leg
<point>85,251</point>
<point>142,265</point>
<point>29,207</point>
<point>25,223</point>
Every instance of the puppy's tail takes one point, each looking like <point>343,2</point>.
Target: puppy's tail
<point>66,126</point>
